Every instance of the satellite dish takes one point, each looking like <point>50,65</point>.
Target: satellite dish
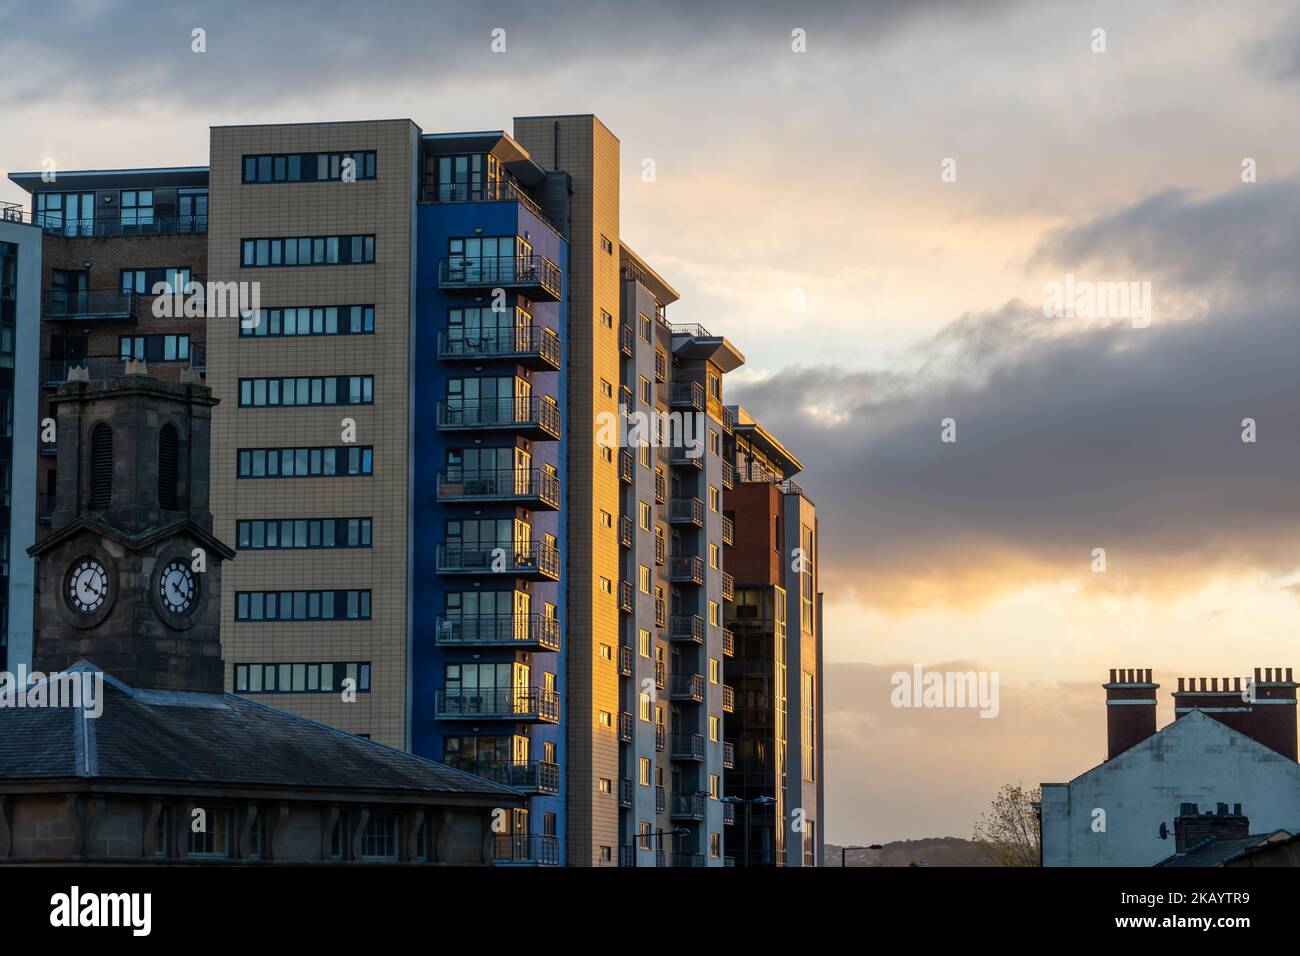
<point>1164,831</point>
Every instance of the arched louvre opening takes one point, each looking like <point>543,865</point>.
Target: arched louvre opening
<point>168,456</point>
<point>101,466</point>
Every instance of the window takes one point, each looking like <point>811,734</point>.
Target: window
<point>644,516</point>
<point>715,670</point>
<point>606,853</point>
<point>162,834</point>
<point>715,442</point>
<point>606,246</point>
<point>606,585</point>
<point>645,327</point>
<point>313,320</point>
<point>808,708</point>
<point>302,606</point>
<point>340,461</point>
<point>606,719</point>
<point>643,574</point>
<point>715,845</point>
<point>647,390</point>
<point>713,613</point>
<point>257,534</point>
<point>644,766</point>
<point>137,209</point>
<point>307,251</point>
<point>302,678</point>
<point>607,453</point>
<point>214,839</point>
<point>806,580</point>
<point>606,319</point>
<point>101,466</point>
<point>145,281</point>
<point>168,460</point>
<point>606,519</point>
<point>604,785</point>
<point>645,834</point>
<point>714,498</point>
<point>646,707</point>
<point>309,167</point>
<point>606,389</point>
<point>713,555</point>
<point>715,787</point>
<point>154,348</point>
<point>644,642</point>
<point>713,727</point>
<point>379,840</point>
<point>330,390</point>
<point>643,453</point>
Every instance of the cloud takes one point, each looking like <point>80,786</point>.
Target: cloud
<point>1071,436</point>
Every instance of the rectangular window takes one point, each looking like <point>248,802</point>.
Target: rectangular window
<point>302,606</point>
<point>644,767</point>
<point>341,461</point>
<point>310,167</point>
<point>302,678</point>
<point>644,642</point>
<point>310,320</point>
<point>154,348</point>
<point>644,575</point>
<point>256,534</point>
<point>331,390</point>
<point>214,838</point>
<point>307,251</point>
<point>379,841</point>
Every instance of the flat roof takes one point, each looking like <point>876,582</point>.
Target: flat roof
<point>743,421</point>
<point>663,292</point>
<point>32,182</point>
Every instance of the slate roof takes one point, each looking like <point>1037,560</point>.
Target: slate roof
<point>218,739</point>
<point>1217,852</point>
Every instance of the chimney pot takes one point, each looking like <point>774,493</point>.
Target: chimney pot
<point>1112,675</point>
<point>1256,675</point>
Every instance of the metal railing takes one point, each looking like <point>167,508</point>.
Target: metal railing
<point>500,485</point>
<point>92,304</point>
<point>625,466</point>
<point>728,699</point>
<point>687,627</point>
<point>524,271</point>
<point>687,747</point>
<point>661,486</point>
<point>728,530</point>
<point>106,228</point>
<point>625,792</point>
<point>688,394</point>
<point>661,674</point>
<point>687,687</point>
<point>686,568</point>
<point>625,660</point>
<point>533,776</point>
<point>728,476</point>
<point>728,756</point>
<point>661,612</point>
<point>688,806</point>
<point>532,340</point>
<point>532,557</point>
<point>531,411</point>
<point>625,593</point>
<point>506,703</point>
<point>625,339</point>
<point>728,643</point>
<point>494,190</point>
<point>661,547</point>
<point>498,630</point>
<point>534,849</point>
<point>687,510</point>
<point>728,586</point>
<point>625,722</point>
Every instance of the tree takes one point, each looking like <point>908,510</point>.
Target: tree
<point>1008,832</point>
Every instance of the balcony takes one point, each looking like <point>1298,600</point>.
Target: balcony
<point>688,395</point>
<point>728,420</point>
<point>661,612</point>
<point>687,747</point>
<point>661,674</point>
<point>104,305</point>
<point>625,398</point>
<point>625,660</point>
<point>625,792</point>
<point>728,699</point>
<point>688,687</point>
<point>686,511</point>
<point>661,800</point>
<point>532,560</point>
<point>625,464</point>
<point>689,806</point>
<point>534,275</point>
<point>686,569</point>
<point>728,643</point>
<point>689,860</point>
<point>661,366</point>
<point>625,340</point>
<point>533,488</point>
<point>530,776</point>
<point>661,737</point>
<point>686,458</point>
<point>520,704</point>
<point>115,226</point>
<point>661,486</point>
<point>728,814</point>
<point>728,530</point>
<point>728,476</point>
<point>495,190</point>
<point>728,587</point>
<point>728,756</point>
<point>534,347</point>
<point>524,632</point>
<point>625,531</point>
<point>687,627</point>
<point>54,372</point>
<point>625,592</point>
<point>661,548</point>
<point>532,416</point>
<point>625,727</point>
<point>525,849</point>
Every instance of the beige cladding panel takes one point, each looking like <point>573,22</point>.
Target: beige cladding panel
<point>589,153</point>
<point>382,207</point>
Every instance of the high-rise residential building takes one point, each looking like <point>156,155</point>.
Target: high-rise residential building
<point>20,298</point>
<point>775,619</point>
<point>121,252</point>
<point>465,459</point>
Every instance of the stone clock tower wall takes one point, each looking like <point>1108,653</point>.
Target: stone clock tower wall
<point>133,509</point>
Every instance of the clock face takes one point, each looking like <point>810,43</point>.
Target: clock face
<point>177,587</point>
<point>87,586</point>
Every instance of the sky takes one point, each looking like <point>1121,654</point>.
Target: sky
<point>875,222</point>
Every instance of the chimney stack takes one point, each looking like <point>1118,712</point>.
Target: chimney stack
<point>1192,828</point>
<point>1130,709</point>
<point>1264,710</point>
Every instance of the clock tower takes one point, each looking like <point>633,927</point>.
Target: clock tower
<point>130,574</point>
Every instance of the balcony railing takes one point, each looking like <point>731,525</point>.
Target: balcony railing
<point>495,190</point>
<point>686,568</point>
<point>110,227</point>
<point>686,458</point>
<point>728,587</point>
<point>728,756</point>
<point>625,339</point>
<point>532,704</point>
<point>728,699</point>
<point>525,849</point>
<point>661,800</point>
<point>530,559</point>
<point>54,372</point>
<point>661,486</point>
<point>689,806</point>
<point>625,660</point>
<point>625,792</point>
<point>687,747</point>
<point>661,547</point>
<point>661,366</point>
<point>661,674</point>
<point>728,476</point>
<point>525,632</point>
<point>661,737</point>
<point>95,305</point>
<point>625,593</point>
<point>625,722</point>
<point>688,395</point>
<point>686,511</point>
<point>625,464</point>
<point>687,627</point>
<point>728,813</point>
<point>530,776</point>
<point>535,347</point>
<point>728,530</point>
<point>689,860</point>
<point>533,274</point>
<point>728,420</point>
<point>661,612</point>
<point>728,643</point>
<point>625,531</point>
<point>530,415</point>
<point>533,487</point>
<point>687,687</point>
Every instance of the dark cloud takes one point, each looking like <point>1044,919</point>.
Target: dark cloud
<point>1072,437</point>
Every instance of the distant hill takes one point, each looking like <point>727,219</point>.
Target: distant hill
<point>933,851</point>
